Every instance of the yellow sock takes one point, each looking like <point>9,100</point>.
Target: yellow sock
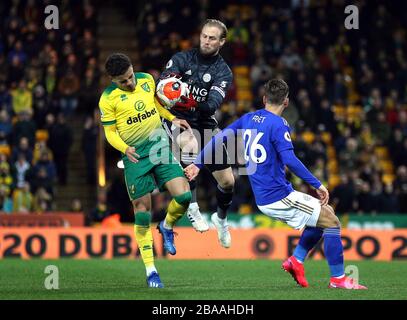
<point>144,237</point>
<point>176,209</point>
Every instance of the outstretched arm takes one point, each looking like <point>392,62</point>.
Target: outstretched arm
<point>297,167</point>
<point>205,155</point>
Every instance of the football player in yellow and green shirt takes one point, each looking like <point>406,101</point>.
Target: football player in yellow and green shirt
<point>130,115</point>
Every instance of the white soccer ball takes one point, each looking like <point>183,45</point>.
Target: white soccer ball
<point>169,91</point>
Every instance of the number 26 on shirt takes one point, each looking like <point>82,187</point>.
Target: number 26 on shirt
<point>254,151</point>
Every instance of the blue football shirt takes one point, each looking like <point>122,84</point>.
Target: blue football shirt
<point>266,136</point>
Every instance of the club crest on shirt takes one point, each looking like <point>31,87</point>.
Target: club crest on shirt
<point>145,87</point>
<point>206,77</point>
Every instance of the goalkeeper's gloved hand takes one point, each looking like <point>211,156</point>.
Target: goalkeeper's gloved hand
<point>170,75</point>
<point>186,104</point>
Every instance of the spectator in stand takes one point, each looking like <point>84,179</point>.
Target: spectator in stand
<point>50,79</point>
<point>22,148</point>
<point>6,125</point>
<point>343,196</point>
<point>400,186</point>
<point>365,200</point>
<point>47,164</point>
<point>22,98</point>
<point>381,129</point>
<point>25,127</point>
<point>348,157</point>
<point>39,149</point>
<point>88,95</point>
<point>40,179</point>
<point>339,90</point>
<point>15,75</point>
<point>6,100</point>
<point>3,76</point>
<point>68,88</point>
<point>89,18</point>
<point>327,118</point>
<point>76,206</point>
<point>18,53</point>
<point>291,59</point>
<point>402,121</point>
<point>6,204</point>
<point>49,123</point>
<point>101,210</point>
<point>117,201</point>
<point>60,142</point>
<point>89,139</point>
<point>6,179</point>
<point>40,104</point>
<point>88,45</point>
<point>23,199</point>
<point>389,202</point>
<point>21,170</point>
<point>42,201</point>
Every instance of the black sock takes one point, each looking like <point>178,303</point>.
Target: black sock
<point>224,198</point>
<point>192,186</point>
<point>186,159</point>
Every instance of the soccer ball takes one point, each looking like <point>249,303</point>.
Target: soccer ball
<point>169,91</point>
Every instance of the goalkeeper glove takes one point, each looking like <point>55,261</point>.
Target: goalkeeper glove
<point>170,75</point>
<point>186,104</point>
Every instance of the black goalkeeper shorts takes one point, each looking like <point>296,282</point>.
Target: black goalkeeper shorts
<point>217,163</point>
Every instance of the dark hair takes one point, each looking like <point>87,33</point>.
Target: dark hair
<point>117,64</point>
<point>219,24</point>
<point>276,91</point>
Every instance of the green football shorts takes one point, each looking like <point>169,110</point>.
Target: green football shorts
<point>147,174</point>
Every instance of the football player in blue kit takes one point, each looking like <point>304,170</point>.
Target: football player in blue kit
<point>269,149</point>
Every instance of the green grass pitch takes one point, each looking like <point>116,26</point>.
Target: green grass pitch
<point>194,280</point>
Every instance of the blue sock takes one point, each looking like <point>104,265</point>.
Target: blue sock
<point>334,251</point>
<point>309,238</point>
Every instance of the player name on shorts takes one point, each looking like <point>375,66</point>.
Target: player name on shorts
<point>141,116</point>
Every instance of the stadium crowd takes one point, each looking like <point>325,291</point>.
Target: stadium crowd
<point>348,93</point>
<point>45,76</point>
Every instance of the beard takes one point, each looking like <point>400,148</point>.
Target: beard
<point>206,52</point>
